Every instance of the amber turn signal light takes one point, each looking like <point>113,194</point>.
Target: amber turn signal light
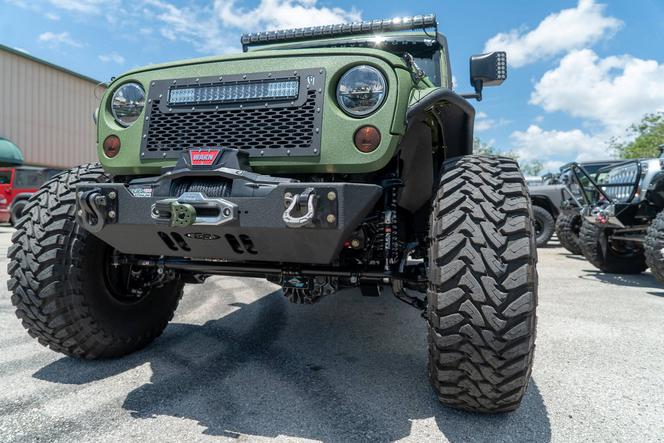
<point>367,139</point>
<point>111,146</point>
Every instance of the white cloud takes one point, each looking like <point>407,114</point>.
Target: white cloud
<point>112,57</point>
<point>281,14</point>
<point>215,28</point>
<point>211,26</point>
<point>52,39</point>
<point>613,92</point>
<point>559,32</point>
<point>552,166</point>
<point>84,6</point>
<point>536,143</point>
<point>483,122</point>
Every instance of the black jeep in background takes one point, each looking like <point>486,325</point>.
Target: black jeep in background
<point>557,204</point>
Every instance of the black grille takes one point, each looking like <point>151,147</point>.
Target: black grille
<point>284,129</point>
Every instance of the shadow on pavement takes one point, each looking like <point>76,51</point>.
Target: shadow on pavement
<point>573,256</point>
<point>645,280</point>
<point>347,369</point>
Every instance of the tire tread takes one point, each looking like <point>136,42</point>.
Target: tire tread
<point>45,276</point>
<point>612,263</point>
<point>567,234</point>
<point>483,285</point>
<point>654,245</point>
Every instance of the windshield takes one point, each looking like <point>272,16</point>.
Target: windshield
<point>5,177</point>
<point>430,65</point>
<point>425,51</point>
<point>592,169</point>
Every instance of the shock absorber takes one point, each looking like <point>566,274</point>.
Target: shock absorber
<point>389,225</point>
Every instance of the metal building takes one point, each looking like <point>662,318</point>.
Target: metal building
<point>47,110</point>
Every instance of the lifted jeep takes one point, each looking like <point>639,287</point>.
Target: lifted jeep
<point>622,230</point>
<point>320,159</point>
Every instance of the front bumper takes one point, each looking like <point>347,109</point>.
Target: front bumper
<point>250,228</point>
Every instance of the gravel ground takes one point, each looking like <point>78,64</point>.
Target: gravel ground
<point>241,363</point>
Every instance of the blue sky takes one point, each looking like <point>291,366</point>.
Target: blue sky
<point>580,70</point>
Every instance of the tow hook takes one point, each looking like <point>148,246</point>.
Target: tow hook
<point>601,218</point>
<point>295,203</point>
<point>90,213</point>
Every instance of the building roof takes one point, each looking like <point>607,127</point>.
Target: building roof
<point>49,64</point>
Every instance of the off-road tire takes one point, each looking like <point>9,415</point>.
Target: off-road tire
<point>608,261</point>
<point>17,211</point>
<point>482,291</point>
<point>546,223</point>
<point>567,230</point>
<point>654,247</point>
<point>58,288</point>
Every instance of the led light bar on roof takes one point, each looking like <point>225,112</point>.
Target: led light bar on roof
<point>367,27</point>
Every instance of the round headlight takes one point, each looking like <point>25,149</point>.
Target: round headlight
<point>127,103</point>
<point>361,90</point>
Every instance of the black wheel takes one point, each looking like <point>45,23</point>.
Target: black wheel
<point>482,285</point>
<point>544,225</point>
<point>17,211</point>
<point>654,247</point>
<point>568,227</point>
<point>67,288</point>
<point>607,256</point>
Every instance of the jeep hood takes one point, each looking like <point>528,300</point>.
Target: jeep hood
<point>391,59</point>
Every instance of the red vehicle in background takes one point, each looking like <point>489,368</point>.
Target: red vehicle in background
<point>17,184</point>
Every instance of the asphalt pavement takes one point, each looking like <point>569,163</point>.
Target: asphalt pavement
<point>240,363</point>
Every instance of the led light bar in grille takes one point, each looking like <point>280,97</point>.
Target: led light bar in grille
<point>235,92</point>
<point>367,27</point>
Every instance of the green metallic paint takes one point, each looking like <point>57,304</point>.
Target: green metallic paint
<point>418,94</point>
<point>338,154</point>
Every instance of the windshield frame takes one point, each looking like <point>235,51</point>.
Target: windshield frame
<point>437,42</point>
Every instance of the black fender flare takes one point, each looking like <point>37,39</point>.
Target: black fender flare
<point>454,113</point>
<point>455,117</point>
<point>546,203</point>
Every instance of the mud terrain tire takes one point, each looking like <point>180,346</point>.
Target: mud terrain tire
<point>59,285</point>
<point>544,226</point>
<point>17,211</point>
<point>605,258</point>
<point>567,230</point>
<point>654,246</point>
<point>482,285</point>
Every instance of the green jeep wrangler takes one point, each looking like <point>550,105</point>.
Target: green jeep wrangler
<point>320,158</point>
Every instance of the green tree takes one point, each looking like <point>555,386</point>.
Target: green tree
<point>481,148</point>
<point>645,138</point>
<point>532,168</point>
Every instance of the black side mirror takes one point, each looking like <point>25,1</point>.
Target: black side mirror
<point>487,70</point>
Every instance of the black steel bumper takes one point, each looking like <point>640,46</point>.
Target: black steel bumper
<point>249,228</point>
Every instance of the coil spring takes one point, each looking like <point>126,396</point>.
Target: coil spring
<point>389,225</point>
